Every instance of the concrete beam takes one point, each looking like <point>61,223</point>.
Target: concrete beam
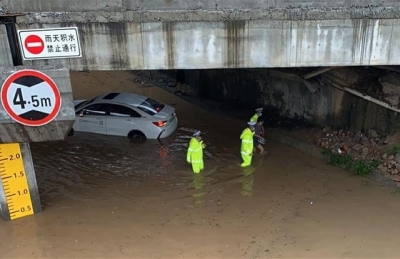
<point>292,14</point>
<point>146,5</point>
<point>232,44</point>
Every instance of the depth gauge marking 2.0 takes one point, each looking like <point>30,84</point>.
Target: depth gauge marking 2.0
<point>31,98</point>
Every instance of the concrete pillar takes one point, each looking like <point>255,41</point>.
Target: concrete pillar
<point>5,52</point>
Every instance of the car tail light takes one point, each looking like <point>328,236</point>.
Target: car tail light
<point>160,123</point>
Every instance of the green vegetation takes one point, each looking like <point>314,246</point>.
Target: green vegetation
<point>365,167</point>
<point>360,167</point>
<point>394,150</point>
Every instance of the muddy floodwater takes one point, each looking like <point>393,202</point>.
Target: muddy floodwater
<point>107,197</point>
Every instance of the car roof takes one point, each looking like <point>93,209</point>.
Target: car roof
<point>121,97</point>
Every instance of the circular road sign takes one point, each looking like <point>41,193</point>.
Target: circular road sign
<point>30,97</point>
<point>34,44</point>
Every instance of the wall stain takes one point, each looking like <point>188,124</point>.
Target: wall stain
<point>117,34</point>
<point>168,31</point>
<point>235,43</point>
<point>362,39</point>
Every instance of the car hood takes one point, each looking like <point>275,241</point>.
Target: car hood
<point>165,112</point>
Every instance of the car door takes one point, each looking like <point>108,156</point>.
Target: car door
<point>121,120</point>
<point>92,118</point>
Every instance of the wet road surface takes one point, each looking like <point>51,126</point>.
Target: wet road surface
<point>108,197</point>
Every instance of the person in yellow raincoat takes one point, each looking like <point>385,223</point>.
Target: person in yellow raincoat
<point>246,149</point>
<point>259,112</point>
<point>194,154</point>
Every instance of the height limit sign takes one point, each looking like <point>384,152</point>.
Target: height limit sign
<point>30,97</point>
<point>52,43</point>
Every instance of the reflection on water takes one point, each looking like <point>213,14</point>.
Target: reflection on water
<point>198,185</point>
<point>85,162</point>
<point>247,179</point>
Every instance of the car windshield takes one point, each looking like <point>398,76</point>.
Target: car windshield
<point>84,103</point>
<point>151,106</point>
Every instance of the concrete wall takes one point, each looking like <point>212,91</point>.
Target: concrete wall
<point>204,34</point>
<point>289,99</point>
<point>232,44</point>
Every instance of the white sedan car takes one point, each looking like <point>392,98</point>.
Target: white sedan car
<point>125,114</point>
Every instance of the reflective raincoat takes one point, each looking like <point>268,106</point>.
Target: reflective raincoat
<point>254,118</point>
<point>195,155</point>
<point>246,149</point>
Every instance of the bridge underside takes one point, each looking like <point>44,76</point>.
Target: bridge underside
<point>136,35</point>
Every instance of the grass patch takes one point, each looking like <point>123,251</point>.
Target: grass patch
<point>360,167</point>
<point>394,150</point>
<point>365,167</point>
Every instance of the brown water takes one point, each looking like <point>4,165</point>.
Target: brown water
<point>107,197</point>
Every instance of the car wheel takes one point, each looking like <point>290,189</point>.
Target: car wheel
<point>136,135</point>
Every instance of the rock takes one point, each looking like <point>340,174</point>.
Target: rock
<point>390,88</point>
<point>364,152</point>
<point>357,136</point>
<point>326,130</point>
<point>384,156</point>
<point>392,100</point>
<point>382,168</point>
<point>390,84</point>
<point>396,178</point>
<point>346,76</point>
<point>364,141</point>
<point>357,147</point>
<point>171,84</point>
<point>340,132</point>
<point>391,157</point>
<point>373,143</point>
<point>397,158</point>
<point>345,148</point>
<point>334,133</point>
<point>386,141</point>
<point>372,134</point>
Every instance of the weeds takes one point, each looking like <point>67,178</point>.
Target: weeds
<point>365,167</point>
<point>360,167</point>
<point>341,160</point>
<point>394,150</point>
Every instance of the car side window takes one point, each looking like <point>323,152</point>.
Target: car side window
<point>96,109</point>
<point>122,111</point>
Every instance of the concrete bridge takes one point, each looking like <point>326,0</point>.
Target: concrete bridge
<point>205,34</point>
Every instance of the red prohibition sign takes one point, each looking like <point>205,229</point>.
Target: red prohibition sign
<point>40,76</point>
<point>34,44</point>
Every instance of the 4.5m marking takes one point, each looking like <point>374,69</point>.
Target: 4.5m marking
<point>36,102</point>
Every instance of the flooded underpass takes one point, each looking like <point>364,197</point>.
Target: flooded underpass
<point>109,197</point>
